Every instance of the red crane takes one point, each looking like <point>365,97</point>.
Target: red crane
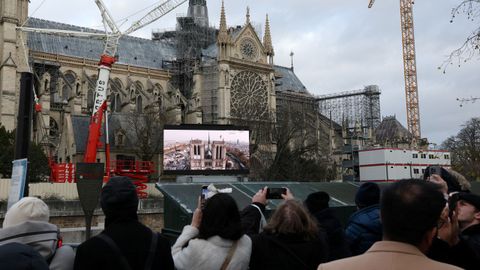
<point>65,172</point>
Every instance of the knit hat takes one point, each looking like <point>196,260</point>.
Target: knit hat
<point>317,201</point>
<point>26,209</point>
<point>471,198</point>
<point>119,197</point>
<point>367,194</point>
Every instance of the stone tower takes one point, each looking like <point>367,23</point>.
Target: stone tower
<point>197,9</point>
<point>12,51</point>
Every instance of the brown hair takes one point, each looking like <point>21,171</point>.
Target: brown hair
<point>291,217</point>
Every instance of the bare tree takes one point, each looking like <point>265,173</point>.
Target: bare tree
<point>465,149</point>
<point>471,45</point>
<point>287,149</point>
<point>147,128</point>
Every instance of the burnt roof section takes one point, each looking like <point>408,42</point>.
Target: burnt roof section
<point>131,50</point>
<point>287,80</point>
<point>390,130</point>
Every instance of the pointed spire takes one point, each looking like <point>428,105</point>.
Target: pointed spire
<point>248,15</point>
<point>223,36</point>
<point>291,59</point>
<point>267,39</point>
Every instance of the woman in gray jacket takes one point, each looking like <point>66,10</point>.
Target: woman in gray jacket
<point>215,238</point>
<point>26,222</point>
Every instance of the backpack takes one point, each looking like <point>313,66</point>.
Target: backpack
<point>17,256</point>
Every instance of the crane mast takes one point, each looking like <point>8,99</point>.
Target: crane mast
<point>111,38</point>
<point>409,67</point>
<point>107,59</point>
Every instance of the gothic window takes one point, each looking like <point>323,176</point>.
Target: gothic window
<point>46,85</point>
<point>157,89</point>
<point>139,106</point>
<point>249,96</point>
<point>115,102</point>
<point>91,89</point>
<point>120,138</point>
<point>54,132</point>
<point>248,49</point>
<point>67,90</point>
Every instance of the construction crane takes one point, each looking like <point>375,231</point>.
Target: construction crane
<point>410,68</point>
<point>111,36</point>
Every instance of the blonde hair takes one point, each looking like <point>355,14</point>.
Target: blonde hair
<point>291,217</point>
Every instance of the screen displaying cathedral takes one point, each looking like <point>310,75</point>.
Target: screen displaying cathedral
<point>192,150</point>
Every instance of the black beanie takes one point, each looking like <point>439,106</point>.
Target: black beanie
<point>119,197</point>
<point>471,198</point>
<point>317,201</point>
<point>367,194</point>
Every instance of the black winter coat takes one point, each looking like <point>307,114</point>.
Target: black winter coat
<point>337,244</point>
<point>16,256</point>
<point>133,239</point>
<point>465,254</point>
<point>251,219</point>
<point>268,254</point>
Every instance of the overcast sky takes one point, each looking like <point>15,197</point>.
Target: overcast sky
<point>339,45</point>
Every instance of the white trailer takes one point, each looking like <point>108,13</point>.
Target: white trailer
<point>392,164</point>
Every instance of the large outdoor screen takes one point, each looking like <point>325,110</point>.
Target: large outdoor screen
<point>206,149</point>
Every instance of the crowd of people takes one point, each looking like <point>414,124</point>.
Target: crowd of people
<point>432,223</point>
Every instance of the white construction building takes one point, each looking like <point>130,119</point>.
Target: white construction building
<point>392,164</point>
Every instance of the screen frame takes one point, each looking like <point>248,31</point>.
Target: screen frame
<point>205,127</point>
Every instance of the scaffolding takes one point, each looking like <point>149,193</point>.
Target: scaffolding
<point>353,108</point>
<point>190,38</point>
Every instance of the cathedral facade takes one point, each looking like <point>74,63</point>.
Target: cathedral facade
<point>233,81</point>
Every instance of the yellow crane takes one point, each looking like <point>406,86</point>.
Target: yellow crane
<point>409,67</point>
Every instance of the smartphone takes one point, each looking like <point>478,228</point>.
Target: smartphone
<point>275,193</point>
<point>435,170</point>
<point>203,195</point>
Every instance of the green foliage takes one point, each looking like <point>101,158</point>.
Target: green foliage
<point>7,140</point>
<point>465,149</point>
<point>38,169</point>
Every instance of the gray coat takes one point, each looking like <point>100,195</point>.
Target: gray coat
<point>43,237</point>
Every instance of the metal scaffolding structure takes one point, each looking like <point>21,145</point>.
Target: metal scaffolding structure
<point>353,108</point>
<point>190,37</point>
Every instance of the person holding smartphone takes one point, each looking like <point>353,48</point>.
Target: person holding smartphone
<point>290,240</point>
<point>214,239</point>
<point>452,245</point>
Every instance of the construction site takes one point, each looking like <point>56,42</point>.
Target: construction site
<point>100,103</point>
<point>195,74</point>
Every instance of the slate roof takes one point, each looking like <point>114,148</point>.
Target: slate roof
<point>131,50</point>
<point>391,130</point>
<point>288,81</point>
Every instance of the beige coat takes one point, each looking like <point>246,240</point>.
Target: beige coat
<point>388,255</point>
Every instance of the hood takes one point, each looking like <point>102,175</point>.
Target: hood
<point>42,236</point>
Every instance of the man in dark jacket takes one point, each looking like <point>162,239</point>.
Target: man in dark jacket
<point>125,243</point>
<point>364,227</point>
<point>317,205</point>
<point>468,209</point>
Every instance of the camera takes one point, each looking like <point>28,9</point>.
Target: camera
<point>275,193</point>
